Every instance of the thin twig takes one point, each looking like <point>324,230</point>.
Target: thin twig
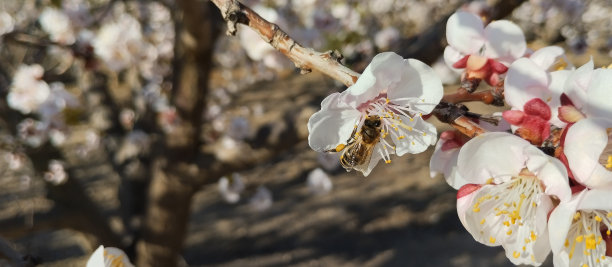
<point>305,59</point>
<point>489,97</point>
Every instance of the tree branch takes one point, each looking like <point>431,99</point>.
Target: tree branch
<point>493,97</point>
<point>305,59</point>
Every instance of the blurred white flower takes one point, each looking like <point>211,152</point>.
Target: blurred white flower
<point>119,43</point>
<point>7,23</point>
<point>329,161</point>
<point>318,182</point>
<point>386,38</point>
<point>126,118</point>
<point>15,161</point>
<point>135,143</point>
<point>239,128</point>
<point>58,100</point>
<point>58,25</point>
<point>230,188</point>
<point>57,137</point>
<point>32,132</point>
<point>262,200</point>
<point>28,91</point>
<point>108,257</point>
<point>56,174</point>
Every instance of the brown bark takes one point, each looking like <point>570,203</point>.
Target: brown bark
<point>175,172</point>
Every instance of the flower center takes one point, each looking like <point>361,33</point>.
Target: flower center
<point>585,235</point>
<point>397,121</point>
<point>512,204</point>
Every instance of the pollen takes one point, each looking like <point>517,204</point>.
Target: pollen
<point>609,164</point>
<point>401,137</point>
<point>580,238</point>
<point>533,236</point>
<point>388,161</point>
<point>516,254</point>
<point>492,240</point>
<point>509,232</point>
<point>483,221</point>
<point>598,219</point>
<point>424,134</point>
<point>340,147</point>
<point>577,215</point>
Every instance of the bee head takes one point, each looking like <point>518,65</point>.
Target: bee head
<point>373,121</point>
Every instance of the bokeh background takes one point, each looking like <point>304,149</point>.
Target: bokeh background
<point>153,104</point>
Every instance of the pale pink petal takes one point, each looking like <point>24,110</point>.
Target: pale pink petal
<point>560,221</point>
<point>596,199</point>
<point>492,155</point>
<point>584,143</point>
<point>330,127</point>
<point>577,84</point>
<point>445,162</point>
<point>524,81</point>
<point>464,207</point>
<point>599,94</point>
<point>550,171</point>
<point>97,258</point>
<point>385,70</point>
<point>419,87</point>
<point>451,56</point>
<point>417,140</point>
<point>505,41</point>
<point>557,81</point>
<point>547,57</point>
<point>465,32</point>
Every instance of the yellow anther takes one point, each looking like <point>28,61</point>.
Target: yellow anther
<point>388,161</point>
<point>401,137</point>
<point>413,143</point>
<point>609,164</point>
<point>524,248</point>
<point>476,209</point>
<point>492,240</point>
<point>608,232</point>
<point>590,242</point>
<point>609,215</point>
<point>585,265</point>
<point>411,119</point>
<point>527,240</point>
<point>506,223</point>
<point>489,181</point>
<point>598,219</point>
<point>509,232</point>
<point>387,101</point>
<point>516,254</point>
<point>577,215</point>
<point>483,221</point>
<point>533,236</point>
<point>580,238</point>
<point>424,134</point>
<point>566,243</point>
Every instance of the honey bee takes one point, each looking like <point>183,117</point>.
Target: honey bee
<point>358,150</point>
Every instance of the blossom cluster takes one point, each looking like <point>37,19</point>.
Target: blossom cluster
<point>539,181</point>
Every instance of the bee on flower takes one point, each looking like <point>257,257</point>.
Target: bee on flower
<point>381,114</point>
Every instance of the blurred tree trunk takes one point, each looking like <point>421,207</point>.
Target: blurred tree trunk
<point>176,176</point>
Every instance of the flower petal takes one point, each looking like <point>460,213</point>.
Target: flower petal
<point>417,140</point>
<point>419,87</point>
<point>598,94</point>
<point>550,171</point>
<point>465,32</point>
<point>547,57</point>
<point>560,221</point>
<point>97,258</point>
<point>452,56</point>
<point>525,80</point>
<point>557,81</point>
<point>505,41</point>
<point>491,155</point>
<point>577,84</point>
<point>584,143</point>
<point>330,127</point>
<point>385,71</point>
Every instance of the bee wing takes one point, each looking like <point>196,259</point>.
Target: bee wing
<point>366,150</point>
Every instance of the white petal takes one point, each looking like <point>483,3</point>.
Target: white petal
<point>97,258</point>
<point>491,155</point>
<point>419,83</point>
<point>546,57</point>
<point>577,84</point>
<point>445,162</point>
<point>584,143</point>
<point>599,94</point>
<point>465,32</point>
<point>525,80</point>
<point>560,221</point>
<point>464,206</point>
<point>596,199</point>
<point>505,41</point>
<point>416,141</point>
<point>451,56</point>
<point>557,81</point>
<point>111,256</point>
<point>330,127</point>
<point>376,157</point>
<point>550,171</point>
<point>385,70</point>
